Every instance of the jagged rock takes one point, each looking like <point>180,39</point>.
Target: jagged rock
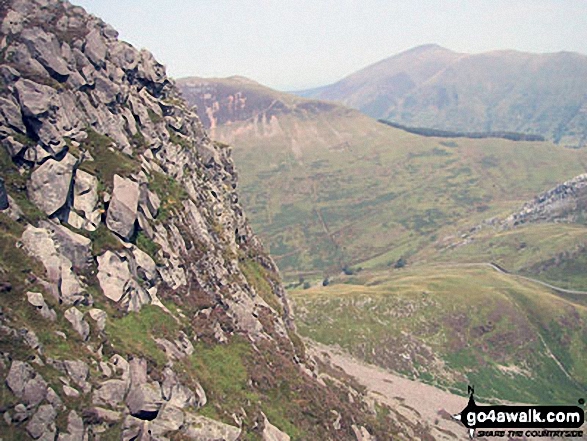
<point>15,148</point>
<point>51,182</point>
<point>183,397</point>
<point>38,301</point>
<point>149,202</point>
<point>9,74</point>
<point>21,413</point>
<point>272,433</point>
<point>138,371</point>
<point>35,391</point>
<point>13,211</point>
<point>36,154</point>
<point>30,338</point>
<point>136,429</point>
<point>151,70</point>
<point>180,395</point>
<point>18,376</point>
<point>71,290</point>
<point>53,399</point>
<point>362,434</point>
<point>122,211</point>
<point>169,419</point>
<point>70,392</point>
<point>35,99</point>
<point>144,401</point>
<point>46,49</point>
<point>26,384</point>
<point>39,243</point>
<point>105,90</point>
<point>43,421</point>
<point>110,393</point>
<point>122,366</point>
<point>85,197</point>
<point>12,23</point>
<point>172,350</point>
<point>76,318</point>
<point>113,275</point>
<point>100,317</point>
<point>75,247</point>
<point>78,371</point>
<point>146,269</point>
<point>20,55</point>
<point>95,49</point>
<point>11,113</point>
<point>201,428</point>
<point>75,428</point>
<point>100,415</point>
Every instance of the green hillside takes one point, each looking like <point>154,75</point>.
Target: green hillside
<point>328,188</point>
<point>383,196</point>
<point>456,325</point>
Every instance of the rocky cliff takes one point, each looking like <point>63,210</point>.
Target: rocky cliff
<point>564,203</point>
<point>136,303</point>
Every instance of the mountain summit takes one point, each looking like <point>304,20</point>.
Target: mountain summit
<point>433,87</point>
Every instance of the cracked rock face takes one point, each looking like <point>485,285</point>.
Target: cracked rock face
<point>51,183</point>
<point>122,212</point>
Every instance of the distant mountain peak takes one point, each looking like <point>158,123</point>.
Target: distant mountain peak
<point>499,90</point>
<point>428,47</point>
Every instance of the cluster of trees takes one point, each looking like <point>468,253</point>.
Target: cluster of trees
<point>512,136</point>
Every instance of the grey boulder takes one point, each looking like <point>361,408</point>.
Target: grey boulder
<point>201,428</point>
<point>51,182</point>
<point>113,275</point>
<point>45,49</point>
<point>122,212</point>
<point>272,433</point>
<point>110,393</point>
<point>144,401</point>
<point>35,99</point>
<point>43,421</point>
<point>38,301</point>
<point>76,318</point>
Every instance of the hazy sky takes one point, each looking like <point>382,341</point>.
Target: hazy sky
<point>297,44</point>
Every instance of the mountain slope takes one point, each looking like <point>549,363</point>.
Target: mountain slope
<point>511,91</point>
<point>136,303</point>
<point>455,325</point>
<point>329,188</point>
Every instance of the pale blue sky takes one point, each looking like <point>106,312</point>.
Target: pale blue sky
<point>297,44</point>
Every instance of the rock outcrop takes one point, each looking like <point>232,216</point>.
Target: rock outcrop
<point>133,291</point>
<point>565,202</point>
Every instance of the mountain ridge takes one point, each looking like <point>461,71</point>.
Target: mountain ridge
<point>501,90</point>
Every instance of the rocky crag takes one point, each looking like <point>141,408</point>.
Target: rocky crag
<point>136,303</point>
<point>564,203</point>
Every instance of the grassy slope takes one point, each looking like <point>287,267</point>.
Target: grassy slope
<point>455,326</point>
<point>349,191</point>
